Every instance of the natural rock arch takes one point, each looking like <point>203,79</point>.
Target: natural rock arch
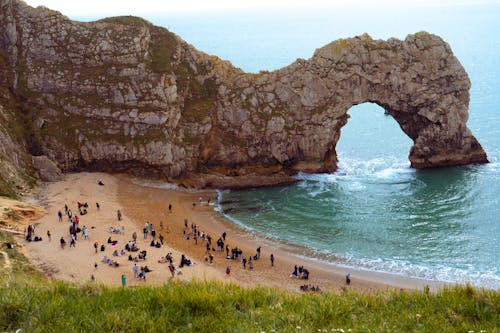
<point>419,82</point>
<point>121,94</point>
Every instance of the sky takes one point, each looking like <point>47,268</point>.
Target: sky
<point>102,8</point>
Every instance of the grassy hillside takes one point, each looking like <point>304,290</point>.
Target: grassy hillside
<point>30,302</point>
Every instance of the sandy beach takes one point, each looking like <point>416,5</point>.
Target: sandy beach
<point>139,204</point>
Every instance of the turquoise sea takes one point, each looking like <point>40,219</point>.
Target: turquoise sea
<point>376,212</point>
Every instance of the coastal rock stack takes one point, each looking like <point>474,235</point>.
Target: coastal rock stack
<point>121,94</point>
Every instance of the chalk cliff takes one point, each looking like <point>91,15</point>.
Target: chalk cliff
<point>121,94</point>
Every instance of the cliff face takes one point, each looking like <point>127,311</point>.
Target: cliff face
<point>121,94</point>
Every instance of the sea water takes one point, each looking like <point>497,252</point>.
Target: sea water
<point>375,212</point>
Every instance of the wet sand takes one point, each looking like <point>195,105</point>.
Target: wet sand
<point>140,204</point>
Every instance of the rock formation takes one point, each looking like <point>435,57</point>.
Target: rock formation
<point>121,94</point>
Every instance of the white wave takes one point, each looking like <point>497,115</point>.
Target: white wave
<point>362,171</point>
<point>442,273</point>
<point>153,183</point>
<point>382,168</point>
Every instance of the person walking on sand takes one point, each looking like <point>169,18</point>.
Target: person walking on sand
<point>97,206</point>
<point>49,235</point>
<point>59,214</point>
<point>63,242</point>
<point>145,230</point>
<point>124,280</point>
<point>272,259</point>
<point>134,237</point>
<point>161,239</point>
<point>250,263</point>
<point>72,241</point>
<point>96,246</point>
<point>119,215</point>
<point>170,208</point>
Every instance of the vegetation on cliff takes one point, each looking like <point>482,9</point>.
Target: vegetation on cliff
<point>30,302</point>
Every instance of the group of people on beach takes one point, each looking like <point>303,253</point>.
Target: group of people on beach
<point>191,232</point>
<point>300,272</point>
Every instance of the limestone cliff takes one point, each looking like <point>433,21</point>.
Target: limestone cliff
<point>121,94</point>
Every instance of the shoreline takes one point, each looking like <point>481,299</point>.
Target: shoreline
<point>140,203</point>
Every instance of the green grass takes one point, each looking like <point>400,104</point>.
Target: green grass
<point>214,307</point>
<point>162,50</point>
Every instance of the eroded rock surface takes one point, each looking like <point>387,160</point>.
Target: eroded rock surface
<point>121,94</point>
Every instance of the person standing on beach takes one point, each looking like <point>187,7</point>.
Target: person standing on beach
<point>161,239</point>
<point>85,232</point>
<point>170,208</point>
<point>119,215</point>
<point>244,261</point>
<point>228,270</point>
<point>97,206</point>
<point>153,234</point>
<point>145,230</point>
<point>134,236</point>
<point>63,242</point>
<point>96,246</point>
<point>171,267</point>
<point>250,263</point>
<point>72,241</point>
<point>49,235</point>
<point>224,234</point>
<point>272,259</point>
<point>136,270</point>
<point>124,280</point>
<point>59,214</point>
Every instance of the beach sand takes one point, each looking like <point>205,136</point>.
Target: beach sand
<point>140,204</point>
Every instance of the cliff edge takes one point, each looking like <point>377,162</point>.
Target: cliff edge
<point>121,94</point>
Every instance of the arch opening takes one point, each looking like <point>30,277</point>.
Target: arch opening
<point>371,141</point>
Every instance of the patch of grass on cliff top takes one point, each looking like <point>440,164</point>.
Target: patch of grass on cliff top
<point>162,49</point>
<point>53,306</point>
<point>20,269</point>
<point>125,20</point>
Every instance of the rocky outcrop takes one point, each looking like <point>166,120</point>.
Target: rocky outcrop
<point>15,168</point>
<point>121,94</point>
<point>47,170</point>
